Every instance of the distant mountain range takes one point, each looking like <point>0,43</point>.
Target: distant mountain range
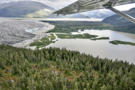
<point>22,8</point>
<point>121,24</point>
<point>57,4</point>
<point>36,9</point>
<point>117,20</point>
<point>99,14</point>
<point>78,15</point>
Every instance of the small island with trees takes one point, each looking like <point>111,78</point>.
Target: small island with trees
<point>81,36</point>
<point>44,41</point>
<point>117,42</point>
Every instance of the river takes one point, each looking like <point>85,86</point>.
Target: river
<point>101,48</point>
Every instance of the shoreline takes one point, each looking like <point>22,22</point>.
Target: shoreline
<point>39,34</point>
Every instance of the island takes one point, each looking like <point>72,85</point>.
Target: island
<point>117,42</point>
<point>44,41</point>
<point>81,36</point>
<point>101,38</point>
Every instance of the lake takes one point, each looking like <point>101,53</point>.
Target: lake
<point>101,48</point>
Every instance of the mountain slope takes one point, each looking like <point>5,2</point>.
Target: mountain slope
<point>101,13</point>
<point>117,20</point>
<point>121,24</point>
<point>20,9</point>
<point>59,69</point>
<point>68,16</point>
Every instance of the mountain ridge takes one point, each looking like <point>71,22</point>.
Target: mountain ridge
<point>21,9</point>
<point>117,20</point>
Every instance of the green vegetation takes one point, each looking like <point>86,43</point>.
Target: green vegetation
<point>117,42</point>
<point>81,36</point>
<point>73,26</point>
<point>44,41</point>
<point>101,38</point>
<point>55,69</point>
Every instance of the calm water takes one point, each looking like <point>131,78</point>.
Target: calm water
<point>101,48</point>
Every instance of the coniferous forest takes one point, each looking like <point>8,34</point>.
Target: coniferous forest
<point>67,27</point>
<point>55,69</point>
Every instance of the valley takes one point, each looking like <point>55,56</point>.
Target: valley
<point>42,49</point>
<point>77,36</point>
<point>102,46</point>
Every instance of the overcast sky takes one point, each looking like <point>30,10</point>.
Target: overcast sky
<point>53,3</point>
<point>61,3</point>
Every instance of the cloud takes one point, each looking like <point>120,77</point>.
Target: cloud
<point>57,4</point>
<point>125,7</point>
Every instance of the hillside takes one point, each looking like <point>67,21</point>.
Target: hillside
<point>117,20</point>
<point>74,26</point>
<point>100,14</point>
<point>53,69</point>
<point>21,9</point>
<point>121,24</point>
<point>78,15</point>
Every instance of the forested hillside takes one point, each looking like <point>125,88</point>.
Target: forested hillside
<point>68,26</point>
<point>55,69</point>
<point>117,20</point>
<point>74,26</point>
<point>121,24</point>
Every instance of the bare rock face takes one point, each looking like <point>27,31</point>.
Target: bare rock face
<point>14,31</point>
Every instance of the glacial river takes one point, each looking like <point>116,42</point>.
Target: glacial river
<point>101,48</point>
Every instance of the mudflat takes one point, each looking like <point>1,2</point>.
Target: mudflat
<point>14,31</point>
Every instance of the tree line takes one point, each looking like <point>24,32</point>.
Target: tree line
<point>60,69</point>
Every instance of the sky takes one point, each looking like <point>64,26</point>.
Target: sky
<point>125,7</point>
<point>57,4</point>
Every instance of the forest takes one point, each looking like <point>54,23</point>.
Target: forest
<point>45,41</point>
<point>60,69</point>
<point>81,36</point>
<point>74,26</point>
<point>117,42</point>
